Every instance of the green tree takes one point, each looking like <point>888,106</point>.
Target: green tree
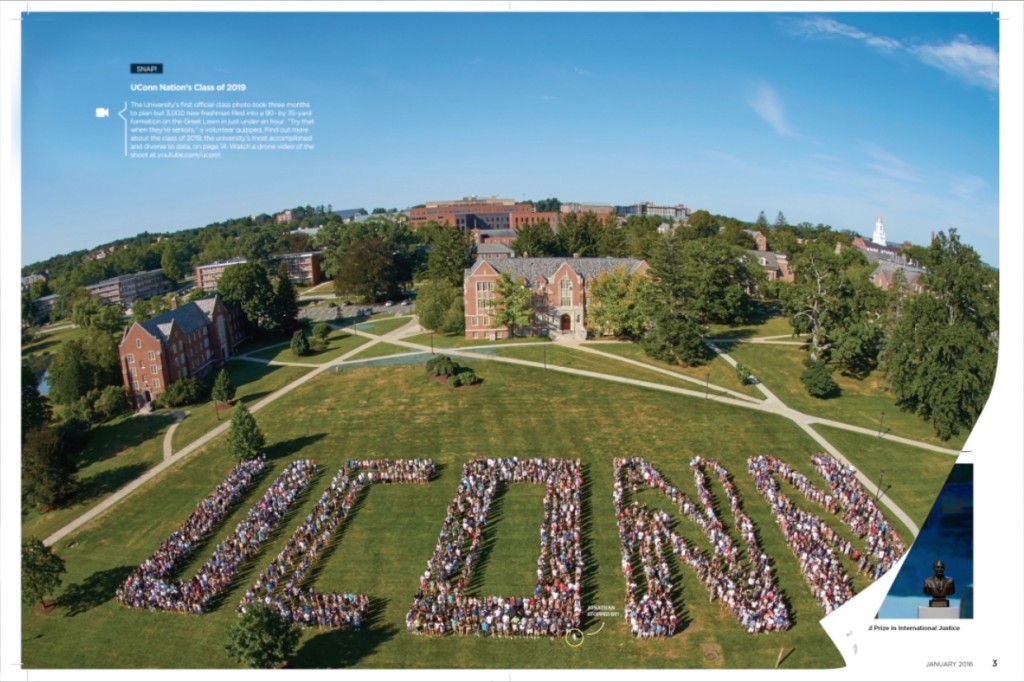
<point>285,303</point>
<point>536,240</point>
<point>223,388</point>
<point>369,270</point>
<point>761,224</point>
<point>321,332</point>
<point>833,301</point>
<point>549,205</point>
<point>578,235</point>
<point>300,344</point>
<point>111,402</point>
<point>941,354</point>
<point>245,439</point>
<point>780,221</point>
<point>260,638</point>
<point>174,260</point>
<point>512,305</point>
<point>818,379</point>
<point>261,244</point>
<point>703,224</point>
<point>35,408</point>
<point>451,252</point>
<point>41,571</point>
<point>83,364</point>
<point>621,304</point>
<point>434,300</point>
<point>47,472</point>
<point>248,286</point>
<point>675,334</point>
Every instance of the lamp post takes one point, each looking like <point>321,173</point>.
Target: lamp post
<point>545,356</point>
<point>880,418</point>
<point>878,493</point>
<point>707,386</point>
<point>431,342</point>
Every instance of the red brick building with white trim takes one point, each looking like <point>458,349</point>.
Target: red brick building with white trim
<point>560,288</point>
<point>188,341</point>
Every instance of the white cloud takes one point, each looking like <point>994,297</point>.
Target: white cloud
<point>975,64</point>
<point>824,26</point>
<point>767,105</point>
<point>967,186</point>
<point>889,164</point>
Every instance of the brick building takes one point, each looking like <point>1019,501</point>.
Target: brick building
<point>473,213</point>
<point>560,287</point>
<point>188,341</point>
<point>124,290</point>
<point>678,212</point>
<point>303,268</point>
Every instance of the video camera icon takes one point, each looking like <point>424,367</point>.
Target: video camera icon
<point>102,112</point>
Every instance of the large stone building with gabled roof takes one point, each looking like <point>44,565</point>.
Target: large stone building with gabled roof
<point>188,341</point>
<point>560,288</point>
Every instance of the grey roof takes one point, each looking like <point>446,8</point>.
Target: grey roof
<point>494,248</point>
<point>498,234</point>
<point>349,213</point>
<point>534,268</point>
<point>206,305</point>
<point>188,317</point>
<point>771,262</point>
<point>911,273</point>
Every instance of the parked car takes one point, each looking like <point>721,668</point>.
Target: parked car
<point>388,304</point>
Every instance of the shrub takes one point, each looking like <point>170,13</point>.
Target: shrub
<point>188,391</point>
<point>442,365</point>
<point>818,380</point>
<point>744,374</point>
<point>300,344</point>
<point>111,402</point>
<point>465,378</point>
<point>321,331</point>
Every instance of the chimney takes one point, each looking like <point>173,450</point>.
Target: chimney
<point>576,255</point>
<point>174,303</point>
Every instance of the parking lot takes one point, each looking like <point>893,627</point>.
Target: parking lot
<point>329,310</point>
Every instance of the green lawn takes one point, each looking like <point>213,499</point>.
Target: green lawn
<point>382,324</point>
<point>381,349</point>
<point>40,351</point>
<point>862,402</point>
<point>118,451</point>
<point>562,356</point>
<point>721,373</point>
<point>381,550</point>
<point>339,343</point>
<point>253,382</point>
<point>912,478</point>
<point>458,341</point>
<point>772,326</point>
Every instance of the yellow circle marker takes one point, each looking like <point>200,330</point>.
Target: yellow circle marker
<point>574,635</point>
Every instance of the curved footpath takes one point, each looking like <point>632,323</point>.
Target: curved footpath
<point>771,404</point>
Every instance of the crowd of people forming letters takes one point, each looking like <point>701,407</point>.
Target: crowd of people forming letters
<point>150,584</point>
<point>280,585</point>
<point>441,605</point>
<point>752,594</point>
<point>746,585</point>
<point>812,540</point>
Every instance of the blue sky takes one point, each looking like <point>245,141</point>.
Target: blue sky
<point>832,118</point>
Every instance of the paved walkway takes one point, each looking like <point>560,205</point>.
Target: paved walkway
<point>197,444</point>
<point>771,404</point>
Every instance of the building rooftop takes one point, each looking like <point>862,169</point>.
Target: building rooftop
<point>534,268</point>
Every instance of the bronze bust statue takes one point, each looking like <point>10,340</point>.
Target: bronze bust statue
<point>939,587</point>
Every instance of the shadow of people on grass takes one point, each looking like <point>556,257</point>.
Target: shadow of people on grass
<point>346,648</point>
<point>97,589</point>
<point>292,446</point>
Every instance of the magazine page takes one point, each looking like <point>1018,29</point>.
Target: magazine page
<point>480,340</point>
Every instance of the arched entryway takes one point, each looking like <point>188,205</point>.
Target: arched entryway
<point>566,323</point>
